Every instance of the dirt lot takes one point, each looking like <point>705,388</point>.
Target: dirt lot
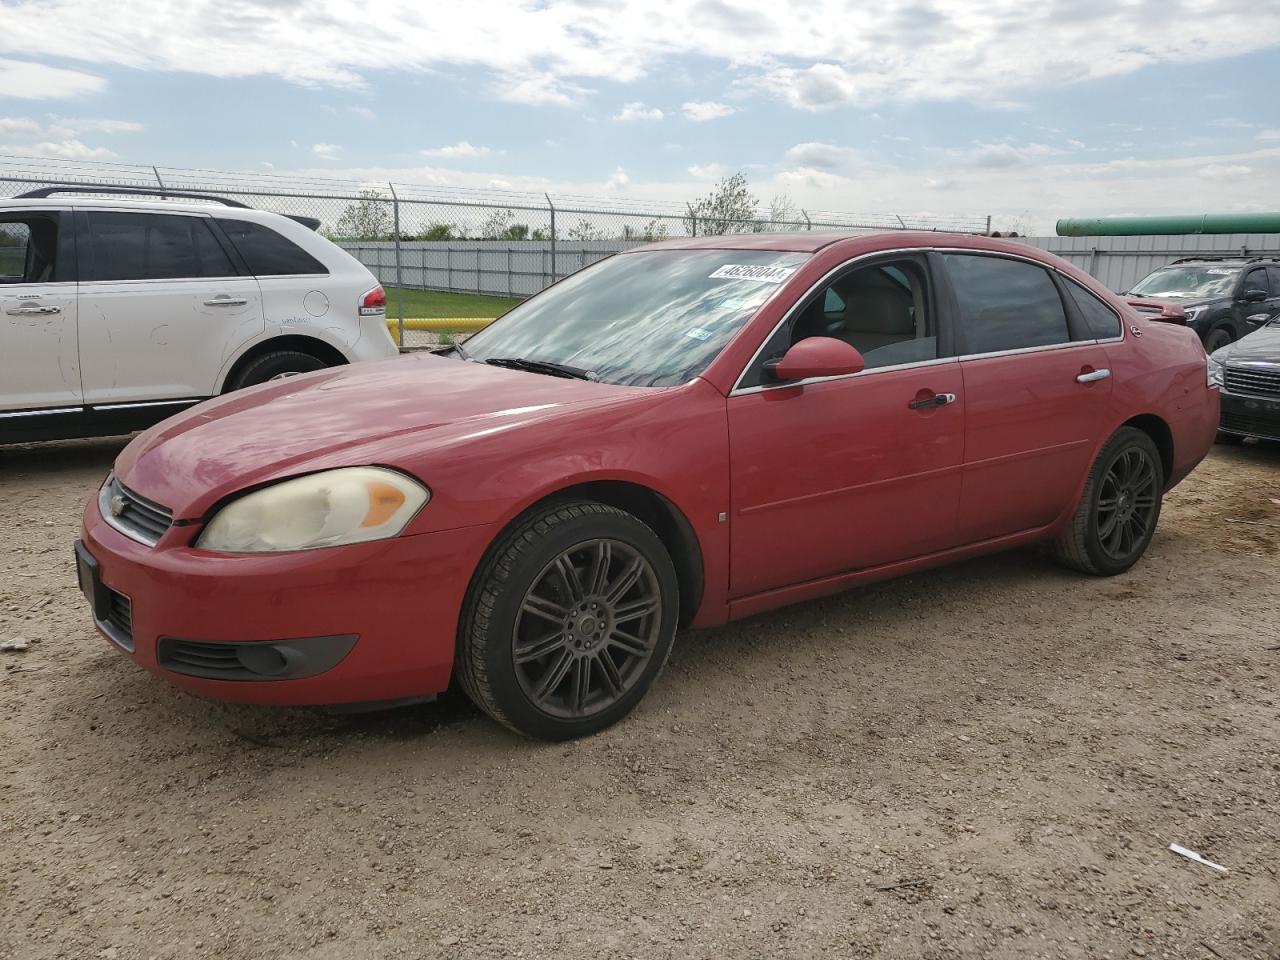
<point>1020,742</point>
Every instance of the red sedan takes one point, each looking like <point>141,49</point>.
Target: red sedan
<point>687,433</point>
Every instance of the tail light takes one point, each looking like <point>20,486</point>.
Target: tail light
<point>373,302</point>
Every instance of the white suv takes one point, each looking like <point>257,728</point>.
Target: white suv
<point>115,314</point>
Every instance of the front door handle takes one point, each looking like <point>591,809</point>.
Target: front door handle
<point>1093,376</point>
<point>32,311</point>
<point>226,302</point>
<point>937,400</point>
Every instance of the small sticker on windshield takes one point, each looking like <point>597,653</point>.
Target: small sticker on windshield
<point>1220,272</point>
<point>697,333</point>
<point>760,274</point>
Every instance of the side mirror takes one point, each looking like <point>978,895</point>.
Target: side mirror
<point>815,357</point>
<point>1254,295</point>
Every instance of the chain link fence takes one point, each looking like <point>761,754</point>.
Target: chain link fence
<point>420,239</point>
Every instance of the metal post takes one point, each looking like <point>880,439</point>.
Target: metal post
<point>479,287</point>
<point>395,217</point>
<point>988,224</point>
<point>448,269</point>
<point>508,271</point>
<point>808,224</point>
<point>552,207</point>
<point>163,196</point>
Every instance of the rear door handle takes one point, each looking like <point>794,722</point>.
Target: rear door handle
<point>226,302</point>
<point>937,400</point>
<point>1093,376</point>
<point>31,311</point>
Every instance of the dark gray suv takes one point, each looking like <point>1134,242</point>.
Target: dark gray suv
<point>1225,298</point>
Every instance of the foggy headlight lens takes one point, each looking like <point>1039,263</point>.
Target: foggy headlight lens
<point>351,505</point>
<point>1214,372</point>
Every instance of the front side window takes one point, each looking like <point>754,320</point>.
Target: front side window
<point>653,318</point>
<point>28,248</point>
<point>879,309</point>
<point>1006,304</point>
<point>1273,273</point>
<point>1187,282</point>
<point>152,246</point>
<point>267,253</point>
<point>1102,320</point>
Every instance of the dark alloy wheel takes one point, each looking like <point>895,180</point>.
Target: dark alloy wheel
<point>568,621</point>
<point>1119,508</point>
<point>1217,339</point>
<point>587,627</point>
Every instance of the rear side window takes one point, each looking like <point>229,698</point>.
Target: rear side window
<point>152,246</point>
<point>1102,321</point>
<point>1256,280</point>
<point>28,248</point>
<point>267,253</point>
<point>1006,304</point>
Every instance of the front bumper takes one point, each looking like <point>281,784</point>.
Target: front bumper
<point>1250,416</point>
<point>399,599</point>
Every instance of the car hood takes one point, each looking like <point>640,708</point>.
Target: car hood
<point>383,412</point>
<point>1261,346</point>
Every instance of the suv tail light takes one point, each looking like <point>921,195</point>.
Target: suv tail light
<point>373,302</point>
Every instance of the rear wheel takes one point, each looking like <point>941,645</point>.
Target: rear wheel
<point>276,365</point>
<point>1217,339</point>
<point>1120,507</point>
<point>569,621</point>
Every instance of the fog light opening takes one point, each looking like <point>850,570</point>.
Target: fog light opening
<point>265,659</point>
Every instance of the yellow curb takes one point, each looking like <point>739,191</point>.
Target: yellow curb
<point>440,323</point>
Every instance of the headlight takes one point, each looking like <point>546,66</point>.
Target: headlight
<point>1214,372</point>
<point>351,505</point>
<point>1193,312</point>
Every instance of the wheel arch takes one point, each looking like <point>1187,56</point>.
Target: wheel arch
<point>1160,434</point>
<point>666,519</point>
<point>320,349</point>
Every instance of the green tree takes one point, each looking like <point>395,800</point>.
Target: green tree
<point>438,231</point>
<point>729,208</point>
<point>368,218</point>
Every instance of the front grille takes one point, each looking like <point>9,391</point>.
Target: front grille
<point>118,621</point>
<point>1253,381</point>
<point>133,515</point>
<point>1268,429</point>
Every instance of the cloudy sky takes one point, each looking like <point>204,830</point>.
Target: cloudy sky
<point>1024,109</point>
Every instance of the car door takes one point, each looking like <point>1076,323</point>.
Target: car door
<point>1253,313</point>
<point>845,473</point>
<point>1036,382</point>
<point>164,305</point>
<point>41,372</point>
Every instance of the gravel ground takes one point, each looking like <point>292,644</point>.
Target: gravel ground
<point>1015,746</point>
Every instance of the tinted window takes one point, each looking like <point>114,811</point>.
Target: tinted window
<point>1274,274</point>
<point>1256,280</point>
<point>1006,304</point>
<point>153,246</point>
<point>1103,323</point>
<point>28,249</point>
<point>266,252</point>
<point>878,309</point>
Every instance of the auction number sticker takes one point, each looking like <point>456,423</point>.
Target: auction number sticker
<point>760,274</point>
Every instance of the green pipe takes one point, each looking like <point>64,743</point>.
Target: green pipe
<point>1201,223</point>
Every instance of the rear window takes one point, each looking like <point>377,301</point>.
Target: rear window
<point>1006,304</point>
<point>1102,321</point>
<point>267,253</point>
<point>152,246</point>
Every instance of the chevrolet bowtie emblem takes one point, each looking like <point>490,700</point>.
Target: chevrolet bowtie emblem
<point>117,504</point>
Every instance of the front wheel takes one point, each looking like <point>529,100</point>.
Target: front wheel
<point>1217,339</point>
<point>276,365</point>
<point>568,622</point>
<point>1120,507</point>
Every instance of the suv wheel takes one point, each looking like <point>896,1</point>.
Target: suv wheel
<point>569,621</point>
<point>1118,512</point>
<point>275,365</point>
<point>1218,338</point>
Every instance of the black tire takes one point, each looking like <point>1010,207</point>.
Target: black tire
<point>1095,541</point>
<point>523,588</point>
<point>1229,439</point>
<point>1218,338</point>
<point>273,365</point>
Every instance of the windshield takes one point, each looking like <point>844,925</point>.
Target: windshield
<point>1188,282</point>
<point>654,318</point>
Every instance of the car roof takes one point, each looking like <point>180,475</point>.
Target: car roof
<point>806,241</point>
<point>141,204</point>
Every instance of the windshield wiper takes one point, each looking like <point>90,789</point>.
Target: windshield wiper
<point>549,367</point>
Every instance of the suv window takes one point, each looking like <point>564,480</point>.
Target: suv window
<point>267,253</point>
<point>1006,304</point>
<point>1274,274</point>
<point>879,309</point>
<point>1256,280</point>
<point>28,248</point>
<point>1102,320</point>
<point>152,246</point>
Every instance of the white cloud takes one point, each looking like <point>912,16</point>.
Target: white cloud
<point>706,110</point>
<point>816,55</point>
<point>1269,135</point>
<point>71,149</point>
<point>1007,154</point>
<point>38,81</point>
<point>61,136</point>
<point>823,156</point>
<point>326,151</point>
<point>638,111</point>
<point>462,150</point>
<point>19,125</point>
<point>706,171</point>
<point>618,180</point>
<point>363,113</point>
<point>1225,171</point>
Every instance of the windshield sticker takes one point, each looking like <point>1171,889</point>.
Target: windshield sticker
<point>1220,272</point>
<point>743,271</point>
<point>698,333</point>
